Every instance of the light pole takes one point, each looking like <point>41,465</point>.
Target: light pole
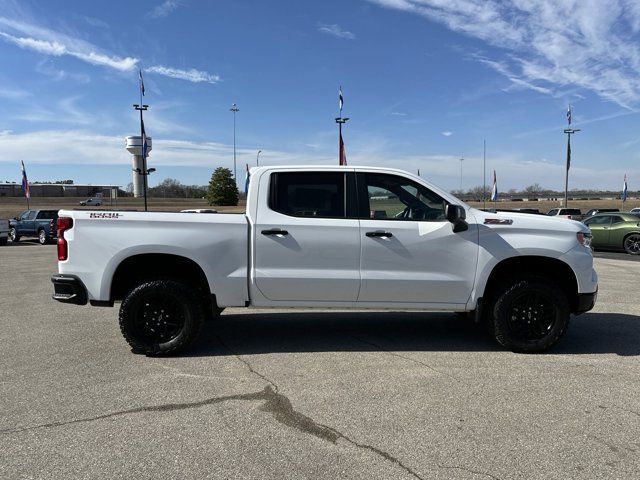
<point>234,108</point>
<point>258,158</point>
<point>461,160</point>
<point>569,132</point>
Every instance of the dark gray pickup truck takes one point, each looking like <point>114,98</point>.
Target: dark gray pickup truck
<point>34,223</point>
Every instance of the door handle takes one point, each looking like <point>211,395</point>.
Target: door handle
<point>274,231</point>
<point>379,233</point>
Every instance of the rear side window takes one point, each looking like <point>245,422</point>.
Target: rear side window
<point>47,214</point>
<point>616,219</point>
<point>309,194</point>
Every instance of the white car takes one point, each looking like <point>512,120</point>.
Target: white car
<point>634,210</point>
<point>346,237</point>
<point>91,202</point>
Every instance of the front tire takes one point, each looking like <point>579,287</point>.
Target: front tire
<point>13,235</point>
<point>631,244</point>
<point>161,317</point>
<point>529,315</point>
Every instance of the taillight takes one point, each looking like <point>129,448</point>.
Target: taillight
<point>64,223</point>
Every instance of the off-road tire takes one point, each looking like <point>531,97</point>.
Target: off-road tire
<point>142,330</point>
<point>13,235</point>
<point>42,237</point>
<point>507,305</point>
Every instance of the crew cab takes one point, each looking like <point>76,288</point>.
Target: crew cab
<point>344,237</point>
<point>34,223</point>
<point>570,213</point>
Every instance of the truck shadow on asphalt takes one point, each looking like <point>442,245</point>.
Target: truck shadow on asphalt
<point>256,333</point>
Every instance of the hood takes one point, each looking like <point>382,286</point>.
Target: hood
<point>527,221</point>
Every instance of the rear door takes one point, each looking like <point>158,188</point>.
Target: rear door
<point>410,253</point>
<point>307,237</point>
<point>26,225</point>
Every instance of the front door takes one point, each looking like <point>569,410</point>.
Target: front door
<point>307,237</point>
<point>599,227</point>
<point>410,253</point>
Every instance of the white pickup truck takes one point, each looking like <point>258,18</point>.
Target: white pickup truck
<point>345,237</point>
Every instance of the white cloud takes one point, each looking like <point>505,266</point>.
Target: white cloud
<point>446,133</point>
<point>191,75</point>
<point>58,45</point>
<point>165,8</point>
<point>13,93</point>
<point>589,44</point>
<point>336,31</point>
<point>399,114</point>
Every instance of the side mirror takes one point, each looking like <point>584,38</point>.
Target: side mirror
<point>456,215</point>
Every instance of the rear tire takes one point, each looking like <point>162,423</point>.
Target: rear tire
<point>161,317</point>
<point>13,235</point>
<point>631,244</point>
<point>42,237</point>
<point>529,315</point>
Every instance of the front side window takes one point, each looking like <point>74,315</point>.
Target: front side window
<point>604,220</point>
<point>553,212</point>
<point>391,197</point>
<point>308,194</point>
<point>32,215</point>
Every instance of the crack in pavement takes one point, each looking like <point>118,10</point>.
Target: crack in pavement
<point>395,354</point>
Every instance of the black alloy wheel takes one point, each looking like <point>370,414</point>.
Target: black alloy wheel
<point>161,317</point>
<point>529,314</point>
<point>632,244</point>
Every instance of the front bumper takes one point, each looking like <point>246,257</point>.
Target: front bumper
<point>586,301</point>
<point>69,289</point>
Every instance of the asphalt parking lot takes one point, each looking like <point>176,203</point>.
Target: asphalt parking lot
<point>308,394</point>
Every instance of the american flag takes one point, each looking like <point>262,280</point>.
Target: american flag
<point>569,114</point>
<point>494,190</point>
<point>145,145</point>
<point>25,182</point>
<point>624,189</point>
<point>340,98</point>
<point>141,82</point>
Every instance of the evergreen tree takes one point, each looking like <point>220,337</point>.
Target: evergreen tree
<point>222,188</point>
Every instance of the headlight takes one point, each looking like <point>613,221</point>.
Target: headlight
<point>584,238</point>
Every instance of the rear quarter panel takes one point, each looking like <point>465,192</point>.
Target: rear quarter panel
<point>100,241</point>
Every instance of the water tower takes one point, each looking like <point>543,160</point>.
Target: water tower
<point>133,144</point>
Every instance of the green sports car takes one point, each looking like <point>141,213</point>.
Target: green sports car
<point>615,231</point>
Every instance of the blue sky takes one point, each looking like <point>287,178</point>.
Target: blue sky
<point>425,82</point>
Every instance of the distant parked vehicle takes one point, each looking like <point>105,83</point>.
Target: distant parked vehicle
<point>620,231</point>
<point>570,213</point>
<point>634,210</point>
<point>34,223</point>
<point>593,211</point>
<point>91,202</point>
<point>4,231</point>
<point>199,210</point>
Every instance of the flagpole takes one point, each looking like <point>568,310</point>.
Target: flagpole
<point>569,132</point>
<point>484,174</point>
<point>340,120</point>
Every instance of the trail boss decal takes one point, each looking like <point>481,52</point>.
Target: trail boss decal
<point>106,215</point>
